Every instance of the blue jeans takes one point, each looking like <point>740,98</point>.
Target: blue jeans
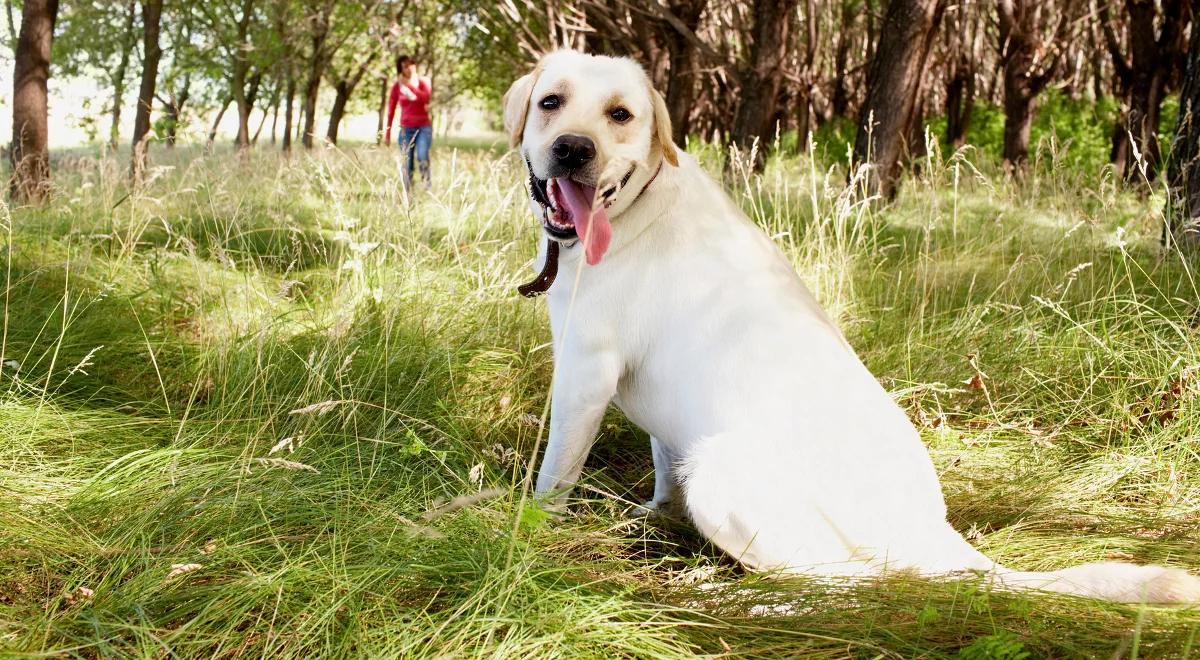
<point>416,142</point>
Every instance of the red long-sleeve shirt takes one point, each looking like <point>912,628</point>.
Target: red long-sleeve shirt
<point>414,113</point>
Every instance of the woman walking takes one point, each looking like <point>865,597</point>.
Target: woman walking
<point>412,93</point>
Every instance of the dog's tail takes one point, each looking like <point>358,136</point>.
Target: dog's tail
<point>1109,580</point>
<point>768,531</point>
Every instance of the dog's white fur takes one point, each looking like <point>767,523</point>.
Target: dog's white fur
<point>783,448</point>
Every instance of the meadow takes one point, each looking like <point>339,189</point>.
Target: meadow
<point>271,406</point>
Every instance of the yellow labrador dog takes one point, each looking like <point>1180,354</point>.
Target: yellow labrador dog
<point>781,446</point>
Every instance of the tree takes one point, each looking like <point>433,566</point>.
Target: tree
<point>99,37</point>
<point>807,79</point>
<point>30,145</point>
<point>1183,173</point>
<point>894,85</point>
<point>119,76</point>
<point>1029,58</point>
<point>233,31</point>
<point>963,36</point>
<point>319,55</point>
<point>840,102</point>
<point>684,54</point>
<point>376,34</point>
<point>178,81</point>
<point>762,77</point>
<point>151,17</point>
<point>241,66</point>
<point>1144,77</point>
<point>344,86</point>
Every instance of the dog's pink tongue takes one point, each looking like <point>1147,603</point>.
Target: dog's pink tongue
<point>593,226</point>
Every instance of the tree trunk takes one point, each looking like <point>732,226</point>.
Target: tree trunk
<point>806,114</point>
<point>118,78</point>
<point>383,99</point>
<point>212,133</point>
<point>241,67</point>
<point>174,109</point>
<point>1096,63</point>
<point>1022,53</point>
<point>253,89</point>
<point>30,144</point>
<point>316,70</point>
<point>917,149</point>
<point>962,62</point>
<point>684,57</point>
<point>960,102</point>
<point>1018,120</point>
<point>12,30</point>
<point>344,90</point>
<point>1183,173</point>
<point>761,80</point>
<point>286,145</point>
<point>841,96</point>
<point>151,15</point>
<point>311,90</point>
<point>275,116</point>
<point>894,82</point>
<point>265,112</point>
<point>1143,79</point>
<point>238,89</point>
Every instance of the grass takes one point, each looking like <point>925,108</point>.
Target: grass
<point>268,407</point>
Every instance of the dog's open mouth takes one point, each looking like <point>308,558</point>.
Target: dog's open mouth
<point>557,218</point>
<point>568,214</point>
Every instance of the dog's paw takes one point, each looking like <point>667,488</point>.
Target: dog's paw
<point>655,508</point>
<point>643,510</point>
<point>613,179</point>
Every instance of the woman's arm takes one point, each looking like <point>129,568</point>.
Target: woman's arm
<point>393,99</point>
<point>423,90</point>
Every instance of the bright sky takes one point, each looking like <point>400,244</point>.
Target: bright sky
<point>77,102</point>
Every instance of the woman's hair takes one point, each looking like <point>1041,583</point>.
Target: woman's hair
<point>402,60</point>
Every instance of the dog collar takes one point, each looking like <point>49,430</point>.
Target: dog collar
<point>541,284</point>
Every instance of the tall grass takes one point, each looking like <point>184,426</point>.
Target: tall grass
<point>274,407</point>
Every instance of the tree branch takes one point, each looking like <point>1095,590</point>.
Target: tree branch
<point>12,30</point>
<point>1123,67</point>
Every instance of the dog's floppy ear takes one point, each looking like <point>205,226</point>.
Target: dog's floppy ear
<point>662,128</point>
<point>516,106</point>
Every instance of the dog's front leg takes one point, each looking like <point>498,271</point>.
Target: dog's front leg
<point>583,386</point>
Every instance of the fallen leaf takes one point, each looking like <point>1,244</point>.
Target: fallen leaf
<point>180,569</point>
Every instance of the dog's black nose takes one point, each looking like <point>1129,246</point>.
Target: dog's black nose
<point>573,151</point>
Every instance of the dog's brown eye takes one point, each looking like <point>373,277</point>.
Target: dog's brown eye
<point>550,102</point>
<point>620,115</point>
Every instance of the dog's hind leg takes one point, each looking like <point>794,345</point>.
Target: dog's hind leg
<point>668,496</point>
<point>737,503</point>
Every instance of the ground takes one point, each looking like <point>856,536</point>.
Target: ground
<point>270,406</point>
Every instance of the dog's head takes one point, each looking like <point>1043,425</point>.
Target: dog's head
<point>593,132</point>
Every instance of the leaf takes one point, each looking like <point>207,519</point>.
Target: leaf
<point>414,445</point>
<point>928,615</point>
<point>286,464</point>
<point>461,502</point>
<point>181,569</point>
<point>533,517</point>
<point>320,407</point>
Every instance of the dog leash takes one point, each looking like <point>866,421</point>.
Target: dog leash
<point>541,284</point>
